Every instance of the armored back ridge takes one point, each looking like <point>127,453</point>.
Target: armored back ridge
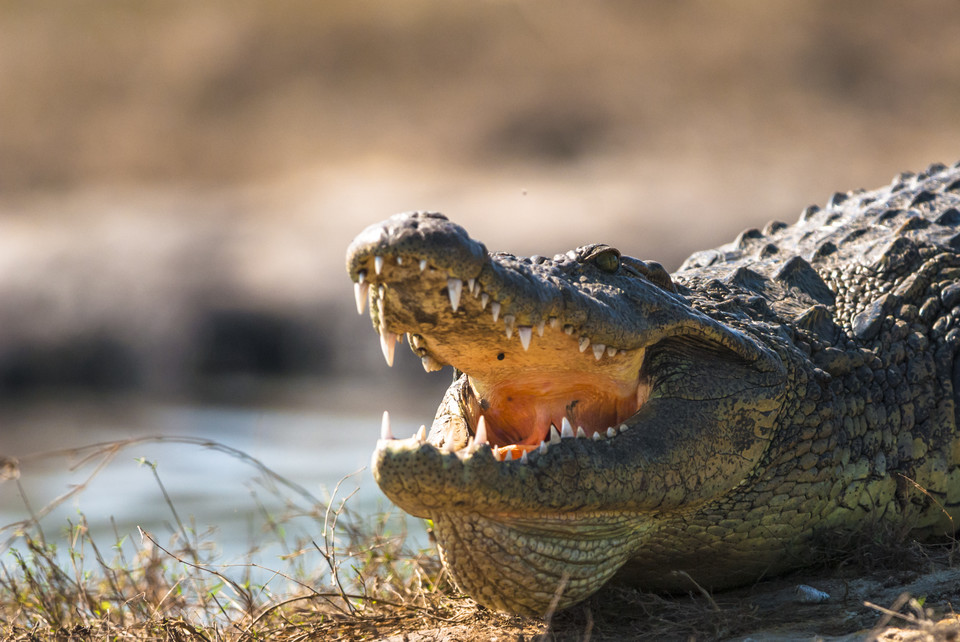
<point>612,421</point>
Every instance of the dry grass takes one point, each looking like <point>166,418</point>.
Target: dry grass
<point>361,579</point>
<point>356,577</point>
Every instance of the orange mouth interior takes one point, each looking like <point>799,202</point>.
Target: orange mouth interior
<point>520,404</point>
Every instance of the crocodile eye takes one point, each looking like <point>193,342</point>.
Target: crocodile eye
<point>608,260</point>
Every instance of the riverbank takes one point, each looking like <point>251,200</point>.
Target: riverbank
<point>344,574</point>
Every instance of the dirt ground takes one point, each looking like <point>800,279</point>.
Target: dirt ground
<point>854,607</point>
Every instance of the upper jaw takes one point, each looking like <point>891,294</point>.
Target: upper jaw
<point>421,273</point>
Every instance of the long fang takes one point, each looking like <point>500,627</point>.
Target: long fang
<point>454,288</point>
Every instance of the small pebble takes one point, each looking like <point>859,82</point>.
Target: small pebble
<point>809,595</point>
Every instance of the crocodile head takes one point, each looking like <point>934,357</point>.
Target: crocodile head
<point>590,399</point>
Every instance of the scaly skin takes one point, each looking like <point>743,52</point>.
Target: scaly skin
<point>794,385</point>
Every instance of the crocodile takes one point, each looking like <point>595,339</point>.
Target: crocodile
<point>609,421</point>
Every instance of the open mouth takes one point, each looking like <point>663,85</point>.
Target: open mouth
<point>581,348</point>
<point>525,383</point>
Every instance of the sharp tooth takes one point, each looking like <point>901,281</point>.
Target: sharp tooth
<point>623,427</point>
<point>495,309</point>
<point>568,329</point>
<point>581,433</point>
<point>511,455</point>
<point>381,290</point>
<point>496,453</point>
<point>454,288</point>
<point>416,340</point>
<point>388,343</point>
<point>399,260</point>
<point>597,436</point>
<point>484,300</point>
<point>523,457</point>
<point>378,264</point>
<point>611,351</point>
<point>543,447</point>
<point>566,430</point>
<point>385,433</point>
<point>598,350</point>
<point>526,333</point>
<point>540,329</point>
<point>470,284</point>
<point>361,291</point>
<point>611,432</point>
<point>481,436</point>
<point>423,264</point>
<point>554,322</point>
<point>554,434</point>
<point>361,276</point>
<point>508,324</point>
<point>422,434</point>
<point>430,364</point>
<point>584,343</point>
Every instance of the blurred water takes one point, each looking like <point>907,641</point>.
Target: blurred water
<point>221,496</point>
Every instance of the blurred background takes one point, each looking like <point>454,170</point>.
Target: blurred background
<point>179,181</point>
